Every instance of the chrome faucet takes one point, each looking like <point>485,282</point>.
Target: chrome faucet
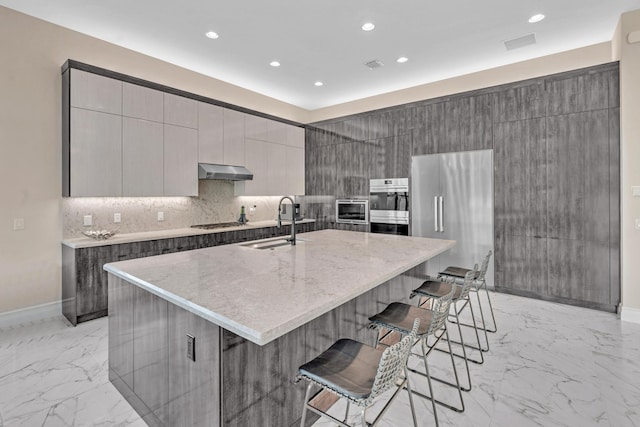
<point>292,239</point>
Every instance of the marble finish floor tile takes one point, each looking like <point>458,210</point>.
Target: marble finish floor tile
<point>548,365</point>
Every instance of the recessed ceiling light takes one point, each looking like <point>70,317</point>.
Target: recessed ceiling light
<point>536,18</point>
<point>402,59</point>
<point>212,34</point>
<point>368,26</point>
<point>318,83</point>
<point>274,63</point>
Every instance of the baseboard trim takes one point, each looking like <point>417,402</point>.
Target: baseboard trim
<point>630,314</point>
<point>31,314</point>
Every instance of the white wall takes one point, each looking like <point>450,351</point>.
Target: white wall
<point>630,164</point>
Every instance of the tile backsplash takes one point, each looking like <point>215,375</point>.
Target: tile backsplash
<point>215,203</point>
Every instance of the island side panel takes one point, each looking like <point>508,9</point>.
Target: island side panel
<point>155,375</point>
<point>194,385</point>
<point>121,345</point>
<point>257,381</point>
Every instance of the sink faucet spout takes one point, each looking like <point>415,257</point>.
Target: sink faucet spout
<point>292,239</point>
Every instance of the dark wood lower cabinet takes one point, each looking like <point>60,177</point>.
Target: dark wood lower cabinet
<point>84,282</point>
<point>232,382</point>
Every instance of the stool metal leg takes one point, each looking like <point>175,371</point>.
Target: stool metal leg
<point>306,402</point>
<point>425,352</point>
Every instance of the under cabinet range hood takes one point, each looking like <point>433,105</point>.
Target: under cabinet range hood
<point>228,172</point>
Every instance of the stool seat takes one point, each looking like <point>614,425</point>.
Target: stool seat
<point>348,367</point>
<point>437,289</point>
<point>458,272</point>
<point>400,316</point>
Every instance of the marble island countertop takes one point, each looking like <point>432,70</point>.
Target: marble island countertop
<point>86,242</point>
<point>261,294</point>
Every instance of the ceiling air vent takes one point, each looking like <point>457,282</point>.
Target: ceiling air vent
<point>520,42</point>
<point>373,64</point>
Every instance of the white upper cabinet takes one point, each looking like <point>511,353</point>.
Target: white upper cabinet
<point>256,162</point>
<point>93,92</point>
<point>295,171</point>
<point>124,139</point>
<point>180,111</point>
<point>210,133</point>
<point>276,132</point>
<point>295,136</point>
<point>180,161</point>
<point>142,102</point>
<point>142,158</point>
<point>233,137</point>
<point>277,172</point>
<point>255,127</point>
<point>95,154</point>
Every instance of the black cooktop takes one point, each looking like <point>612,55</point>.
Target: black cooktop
<point>217,225</point>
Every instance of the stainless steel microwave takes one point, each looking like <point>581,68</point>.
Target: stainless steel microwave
<point>352,211</point>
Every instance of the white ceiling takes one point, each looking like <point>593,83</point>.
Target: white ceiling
<point>322,40</point>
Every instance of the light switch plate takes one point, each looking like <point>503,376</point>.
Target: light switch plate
<point>637,223</point>
<point>160,216</point>
<point>117,217</point>
<point>636,190</point>
<point>18,223</point>
<point>88,220</point>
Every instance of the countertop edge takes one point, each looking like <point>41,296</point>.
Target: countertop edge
<point>294,323</point>
<point>143,236</point>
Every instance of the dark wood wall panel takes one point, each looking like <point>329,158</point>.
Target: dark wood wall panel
<point>521,263</point>
<point>578,173</point>
<point>389,157</point>
<point>572,94</point>
<point>468,124</point>
<point>520,178</point>
<point>578,270</point>
<point>556,171</point>
<point>429,130</point>
<point>519,103</point>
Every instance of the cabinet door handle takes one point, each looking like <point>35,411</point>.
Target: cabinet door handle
<point>435,214</point>
<point>441,214</point>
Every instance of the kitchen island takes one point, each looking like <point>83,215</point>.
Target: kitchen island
<point>214,336</point>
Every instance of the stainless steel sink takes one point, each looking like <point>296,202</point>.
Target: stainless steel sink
<point>270,243</point>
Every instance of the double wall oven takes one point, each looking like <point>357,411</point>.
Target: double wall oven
<point>389,205</point>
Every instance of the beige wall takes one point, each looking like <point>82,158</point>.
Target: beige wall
<point>32,52</point>
<point>630,169</point>
<point>565,61</point>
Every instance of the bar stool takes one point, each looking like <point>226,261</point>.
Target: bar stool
<point>397,317</point>
<point>359,373</point>
<point>479,282</point>
<point>432,290</point>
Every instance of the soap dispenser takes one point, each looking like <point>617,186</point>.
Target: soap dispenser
<point>243,217</point>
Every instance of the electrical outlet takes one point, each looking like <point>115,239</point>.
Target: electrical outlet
<point>252,210</point>
<point>117,217</point>
<point>191,347</point>
<point>18,223</point>
<point>160,216</point>
<point>637,223</point>
<point>635,190</point>
<point>88,220</point>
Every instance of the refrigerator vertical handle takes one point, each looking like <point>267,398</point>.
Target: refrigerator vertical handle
<point>441,213</point>
<point>435,214</point>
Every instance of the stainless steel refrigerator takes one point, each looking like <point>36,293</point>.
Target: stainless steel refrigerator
<point>452,198</point>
